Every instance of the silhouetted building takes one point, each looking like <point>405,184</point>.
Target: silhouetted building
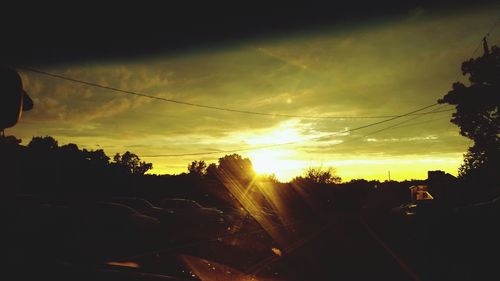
<point>441,184</point>
<point>440,176</point>
<point>420,193</point>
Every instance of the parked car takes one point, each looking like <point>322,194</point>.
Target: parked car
<point>111,228</point>
<point>420,208</point>
<point>405,209</point>
<point>190,213</point>
<point>145,207</point>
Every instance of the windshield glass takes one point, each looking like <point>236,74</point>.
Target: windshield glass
<point>353,140</point>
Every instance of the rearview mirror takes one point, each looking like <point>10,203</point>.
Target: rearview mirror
<point>13,99</point>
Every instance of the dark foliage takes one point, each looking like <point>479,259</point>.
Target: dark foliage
<point>478,116</point>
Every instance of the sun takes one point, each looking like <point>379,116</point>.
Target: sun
<point>278,159</point>
<point>264,162</point>
<point>275,161</point>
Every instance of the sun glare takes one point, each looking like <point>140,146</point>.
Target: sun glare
<point>274,161</point>
<point>264,162</point>
<point>286,133</point>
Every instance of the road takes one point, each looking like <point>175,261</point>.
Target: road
<point>340,247</point>
<point>345,248</point>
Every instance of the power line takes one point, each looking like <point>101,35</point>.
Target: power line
<point>394,125</point>
<point>92,84</point>
<point>397,125</point>
<point>288,143</point>
<point>486,35</point>
<point>423,122</point>
<point>390,119</point>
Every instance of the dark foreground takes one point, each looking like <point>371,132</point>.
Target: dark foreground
<point>336,244</point>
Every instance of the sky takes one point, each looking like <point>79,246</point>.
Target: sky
<point>368,68</point>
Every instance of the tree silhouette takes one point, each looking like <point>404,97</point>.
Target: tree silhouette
<point>70,149</point>
<point>271,178</point>
<point>236,167</point>
<point>212,171</point>
<point>46,143</point>
<point>97,156</point>
<point>319,175</point>
<point>477,113</point>
<point>132,163</point>
<point>197,168</point>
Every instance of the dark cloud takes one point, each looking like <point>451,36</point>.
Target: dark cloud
<point>45,34</point>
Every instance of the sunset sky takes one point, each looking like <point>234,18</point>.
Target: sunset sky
<point>368,68</point>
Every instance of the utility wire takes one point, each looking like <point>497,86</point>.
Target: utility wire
<point>289,143</point>
<point>392,126</point>
<point>390,119</point>
<point>397,125</point>
<point>92,84</point>
<point>423,122</point>
<point>486,36</point>
<point>437,110</point>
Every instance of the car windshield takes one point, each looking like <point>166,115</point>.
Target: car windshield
<point>201,140</point>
